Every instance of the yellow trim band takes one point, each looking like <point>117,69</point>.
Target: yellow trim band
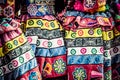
<point>42,24</point>
<point>20,40</point>
<point>97,32</point>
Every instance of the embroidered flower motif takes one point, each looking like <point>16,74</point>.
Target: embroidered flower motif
<point>59,66</point>
<point>108,75</point>
<point>32,9</point>
<point>15,42</point>
<point>21,59</point>
<point>33,76</point>
<point>8,11</point>
<point>9,46</point>
<point>79,74</point>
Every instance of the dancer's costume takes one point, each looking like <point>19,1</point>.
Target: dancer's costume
<point>91,39</point>
<point>44,33</point>
<point>17,60</point>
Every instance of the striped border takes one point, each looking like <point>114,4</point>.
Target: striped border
<point>44,43</point>
<point>16,63</point>
<point>85,50</point>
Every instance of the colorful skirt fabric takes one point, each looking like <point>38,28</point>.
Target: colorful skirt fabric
<point>17,60</point>
<point>92,47</point>
<point>45,36</point>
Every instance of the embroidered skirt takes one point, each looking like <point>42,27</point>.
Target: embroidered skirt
<point>92,45</point>
<point>45,36</point>
<point>17,60</point>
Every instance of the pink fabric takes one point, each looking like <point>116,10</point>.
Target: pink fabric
<point>78,6</point>
<point>13,25</point>
<point>12,34</point>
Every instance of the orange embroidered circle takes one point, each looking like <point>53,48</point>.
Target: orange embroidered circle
<point>47,24</point>
<point>21,40</point>
<point>80,32</point>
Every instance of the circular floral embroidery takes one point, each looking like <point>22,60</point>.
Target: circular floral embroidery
<point>15,63</point>
<point>106,54</point>
<point>59,42</point>
<point>10,66</point>
<point>80,32</point>
<point>79,74</point>
<point>73,35</point>
<point>73,51</point>
<point>52,24</point>
<point>83,50</point>
<point>31,22</point>
<point>21,40</point>
<point>21,59</point>
<point>40,23</point>
<point>91,32</point>
<point>94,51</point>
<point>59,66</point>
<point>29,39</point>
<point>15,42</point>
<point>47,24</point>
<point>108,75</point>
<point>27,56</point>
<point>8,11</point>
<point>9,46</point>
<point>99,32</point>
<point>32,9</point>
<point>49,44</point>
